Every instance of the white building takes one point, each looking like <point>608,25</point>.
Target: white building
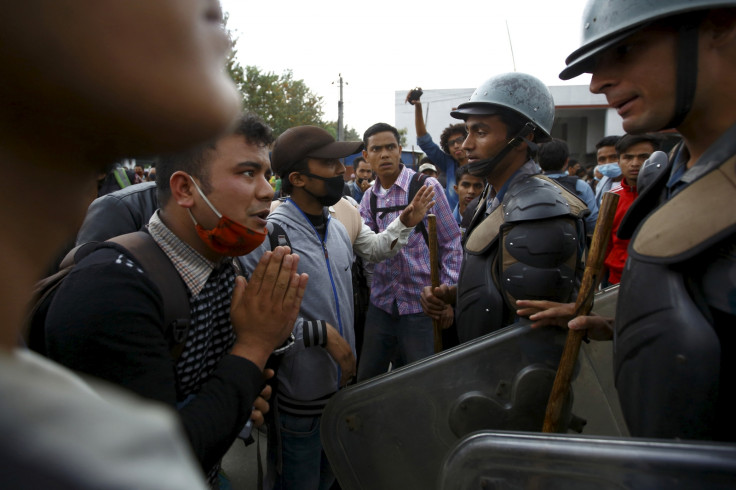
<point>581,118</point>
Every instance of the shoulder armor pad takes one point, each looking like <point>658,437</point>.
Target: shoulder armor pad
<point>676,231</point>
<point>537,197</point>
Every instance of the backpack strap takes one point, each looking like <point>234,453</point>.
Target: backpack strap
<point>416,182</point>
<point>277,237</point>
<point>374,210</point>
<point>121,177</point>
<point>162,272</point>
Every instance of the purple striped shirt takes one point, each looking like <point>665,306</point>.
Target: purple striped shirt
<point>402,277</point>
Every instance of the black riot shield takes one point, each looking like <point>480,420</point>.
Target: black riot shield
<point>394,431</point>
<point>508,460</point>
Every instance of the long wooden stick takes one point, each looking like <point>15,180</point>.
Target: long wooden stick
<point>583,305</point>
<point>434,267</point>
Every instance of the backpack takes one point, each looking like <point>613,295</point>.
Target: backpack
<point>152,259</point>
<point>417,181</point>
<point>569,182</point>
<point>121,177</point>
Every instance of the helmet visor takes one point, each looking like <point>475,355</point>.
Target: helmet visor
<point>583,60</point>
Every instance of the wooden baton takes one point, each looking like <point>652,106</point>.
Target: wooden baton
<point>583,305</point>
<point>434,267</point>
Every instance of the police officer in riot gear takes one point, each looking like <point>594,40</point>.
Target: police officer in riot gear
<point>527,235</point>
<point>525,241</point>
<point>664,65</point>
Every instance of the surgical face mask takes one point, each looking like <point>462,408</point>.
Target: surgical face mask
<point>334,187</point>
<point>227,237</point>
<point>611,170</point>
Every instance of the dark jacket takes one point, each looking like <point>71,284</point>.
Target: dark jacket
<point>118,213</point>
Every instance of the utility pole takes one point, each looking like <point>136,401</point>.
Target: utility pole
<point>511,46</point>
<point>340,128</point>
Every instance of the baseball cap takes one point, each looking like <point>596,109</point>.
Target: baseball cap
<point>296,144</point>
<point>427,166</point>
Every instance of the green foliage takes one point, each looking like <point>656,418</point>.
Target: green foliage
<point>330,127</point>
<point>402,136</point>
<point>280,100</point>
<point>350,133</point>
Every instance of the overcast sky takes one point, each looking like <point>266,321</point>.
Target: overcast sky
<point>380,46</point>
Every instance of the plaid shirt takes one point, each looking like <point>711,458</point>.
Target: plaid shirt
<point>402,277</point>
<point>192,266</point>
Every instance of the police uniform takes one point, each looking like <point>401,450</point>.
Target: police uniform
<point>675,336</point>
<point>524,242</point>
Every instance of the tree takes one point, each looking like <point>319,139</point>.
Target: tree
<point>350,133</point>
<point>402,136</point>
<point>280,100</point>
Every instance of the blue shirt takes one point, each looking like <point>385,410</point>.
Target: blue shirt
<point>585,193</point>
<point>355,190</point>
<point>444,162</point>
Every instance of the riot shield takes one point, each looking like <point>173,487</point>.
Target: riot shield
<point>507,460</point>
<point>394,431</point>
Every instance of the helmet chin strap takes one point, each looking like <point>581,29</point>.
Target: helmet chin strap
<point>483,168</point>
<point>687,72</point>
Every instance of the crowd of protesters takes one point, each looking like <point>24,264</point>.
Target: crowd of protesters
<point>239,283</point>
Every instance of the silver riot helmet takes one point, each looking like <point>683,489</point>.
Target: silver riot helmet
<point>606,24</point>
<point>522,96</point>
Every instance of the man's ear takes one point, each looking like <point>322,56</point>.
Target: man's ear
<point>524,147</point>
<point>455,187</point>
<point>296,179</point>
<point>182,189</point>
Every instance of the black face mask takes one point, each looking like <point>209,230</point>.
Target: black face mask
<point>333,185</point>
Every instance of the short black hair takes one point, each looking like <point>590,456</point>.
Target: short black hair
<point>357,160</point>
<point>301,167</point>
<point>629,140</point>
<point>463,171</point>
<point>553,155</point>
<point>607,141</point>
<point>380,128</point>
<point>194,161</point>
<point>458,128</point>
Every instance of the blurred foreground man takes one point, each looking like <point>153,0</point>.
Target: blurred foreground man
<point>61,87</point>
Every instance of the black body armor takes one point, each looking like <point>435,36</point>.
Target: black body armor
<point>527,248</point>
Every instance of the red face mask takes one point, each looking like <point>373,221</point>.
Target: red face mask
<point>227,237</point>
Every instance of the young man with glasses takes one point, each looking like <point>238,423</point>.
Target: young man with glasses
<point>448,155</point>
